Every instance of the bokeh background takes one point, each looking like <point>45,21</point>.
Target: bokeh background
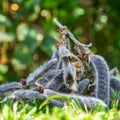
<point>27,31</point>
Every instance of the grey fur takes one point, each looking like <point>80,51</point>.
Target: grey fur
<point>10,87</point>
<point>114,71</point>
<point>27,95</point>
<point>37,74</point>
<point>47,77</point>
<point>57,103</point>
<point>82,85</point>
<point>62,74</point>
<point>88,101</point>
<point>112,92</point>
<point>64,52</point>
<point>102,83</point>
<point>55,54</point>
<point>32,95</point>
<point>69,74</point>
<point>115,83</point>
<point>57,82</point>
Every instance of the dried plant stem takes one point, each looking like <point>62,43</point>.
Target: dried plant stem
<point>70,34</point>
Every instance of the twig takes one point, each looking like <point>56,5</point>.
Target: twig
<point>70,34</point>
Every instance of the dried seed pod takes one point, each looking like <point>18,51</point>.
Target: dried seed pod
<point>64,33</point>
<point>101,72</point>
<point>112,91</point>
<point>57,103</point>
<point>88,101</point>
<point>79,69</point>
<point>114,71</point>
<point>57,82</point>
<point>82,50</point>
<point>82,85</point>
<point>65,89</point>
<point>64,52</point>
<point>10,87</point>
<point>26,95</point>
<point>59,64</point>
<point>69,74</point>
<point>40,71</point>
<point>47,77</point>
<point>70,83</point>
<point>115,84</point>
<point>49,92</point>
<point>42,81</point>
<point>55,54</point>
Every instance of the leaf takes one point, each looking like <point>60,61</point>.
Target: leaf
<point>50,4</point>
<point>17,64</point>
<point>4,21</point>
<point>3,69</point>
<point>34,9</point>
<point>28,36</point>
<point>54,97</point>
<point>8,37</point>
<point>47,45</point>
<point>23,56</point>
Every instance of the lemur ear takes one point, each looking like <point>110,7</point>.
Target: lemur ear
<point>102,79</point>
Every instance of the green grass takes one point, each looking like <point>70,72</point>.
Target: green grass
<point>32,110</point>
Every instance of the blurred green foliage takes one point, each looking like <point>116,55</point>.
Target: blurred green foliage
<point>27,32</point>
